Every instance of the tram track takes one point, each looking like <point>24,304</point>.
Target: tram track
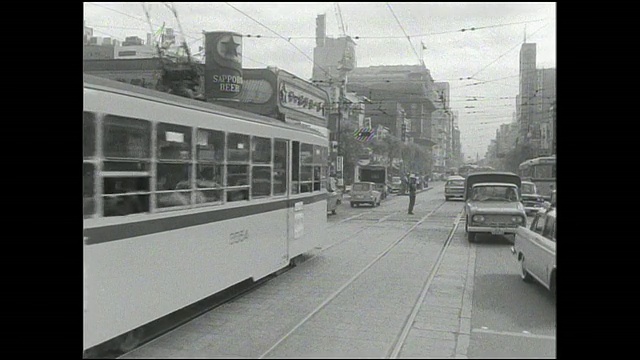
<point>403,334</point>
<point>246,289</point>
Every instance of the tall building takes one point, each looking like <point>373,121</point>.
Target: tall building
<point>525,106</point>
<point>545,97</point>
<point>333,58</point>
<point>442,127</point>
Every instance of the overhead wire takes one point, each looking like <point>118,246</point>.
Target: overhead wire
<point>507,52</point>
<point>420,61</point>
<point>283,38</point>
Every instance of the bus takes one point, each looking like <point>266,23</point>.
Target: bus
<point>542,172</point>
<point>183,199</point>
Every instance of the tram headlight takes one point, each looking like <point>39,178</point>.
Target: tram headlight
<point>478,218</point>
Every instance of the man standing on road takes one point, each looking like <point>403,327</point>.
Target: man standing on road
<point>412,194</point>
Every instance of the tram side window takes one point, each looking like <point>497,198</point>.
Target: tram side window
<point>87,192</point>
<point>317,168</point>
<point>306,168</point>
<point>238,176</point>
<point>174,142</point>
<point>280,167</point>
<point>238,147</point>
<point>122,195</point>
<point>173,173</point>
<point>88,135</point>
<point>295,168</point>
<point>260,174</point>
<point>209,172</point>
<point>126,138</point>
<point>126,147</point>
<point>173,185</point>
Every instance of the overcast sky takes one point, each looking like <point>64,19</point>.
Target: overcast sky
<point>489,53</point>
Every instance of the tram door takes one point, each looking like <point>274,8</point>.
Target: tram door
<point>295,208</point>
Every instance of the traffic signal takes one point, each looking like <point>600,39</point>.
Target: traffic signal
<point>403,135</point>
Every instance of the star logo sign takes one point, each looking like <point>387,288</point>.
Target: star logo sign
<point>228,48</point>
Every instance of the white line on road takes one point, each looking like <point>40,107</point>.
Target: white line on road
<point>354,217</point>
<point>508,333</point>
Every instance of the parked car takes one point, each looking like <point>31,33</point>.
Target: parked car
<point>531,199</point>
<point>535,249</point>
<point>365,193</point>
<point>395,185</point>
<point>454,188</point>
<point>335,196</point>
<point>492,204</point>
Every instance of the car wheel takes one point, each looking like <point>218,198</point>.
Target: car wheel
<point>353,205</point>
<point>446,198</point>
<point>471,236</point>
<point>524,273</point>
<point>333,211</point>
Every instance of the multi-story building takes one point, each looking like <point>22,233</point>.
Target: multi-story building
<point>456,152</point>
<point>409,85</point>
<point>333,58</point>
<point>545,96</point>
<point>537,93</point>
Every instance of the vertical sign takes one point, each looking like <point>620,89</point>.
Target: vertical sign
<point>223,65</point>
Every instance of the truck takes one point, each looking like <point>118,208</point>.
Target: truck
<point>493,204</point>
<point>376,174</point>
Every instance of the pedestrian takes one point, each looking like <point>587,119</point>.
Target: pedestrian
<point>412,194</point>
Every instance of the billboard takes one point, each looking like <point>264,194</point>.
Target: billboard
<point>223,65</point>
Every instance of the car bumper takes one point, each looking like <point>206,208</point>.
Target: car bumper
<point>533,209</point>
<point>493,230</point>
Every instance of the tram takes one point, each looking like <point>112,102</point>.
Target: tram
<point>183,199</point>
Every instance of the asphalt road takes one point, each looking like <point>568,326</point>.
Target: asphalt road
<point>510,318</point>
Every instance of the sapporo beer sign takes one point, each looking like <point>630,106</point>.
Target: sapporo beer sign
<point>223,65</point>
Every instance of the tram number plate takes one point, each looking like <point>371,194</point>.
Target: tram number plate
<point>497,231</point>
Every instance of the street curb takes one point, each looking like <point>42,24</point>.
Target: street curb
<point>464,333</point>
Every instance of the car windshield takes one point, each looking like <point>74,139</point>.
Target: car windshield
<point>495,193</point>
<point>455,183</point>
<point>528,189</point>
<point>396,180</point>
<point>360,187</point>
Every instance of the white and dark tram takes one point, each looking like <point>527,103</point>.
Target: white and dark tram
<point>183,199</point>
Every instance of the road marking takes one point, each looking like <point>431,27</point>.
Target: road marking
<point>508,333</point>
<point>354,217</point>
